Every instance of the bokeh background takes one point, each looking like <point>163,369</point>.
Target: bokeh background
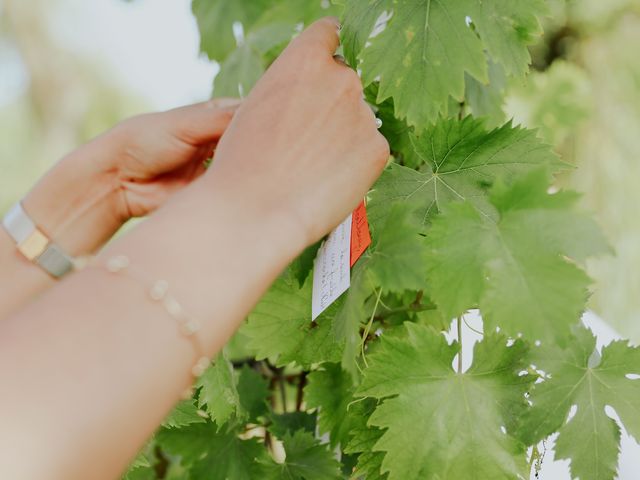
<point>70,69</point>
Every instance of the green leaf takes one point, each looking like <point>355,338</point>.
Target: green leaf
<point>280,326</point>
<point>486,100</point>
<point>142,467</point>
<point>398,261</point>
<point>190,442</point>
<point>395,131</point>
<point>306,459</point>
<point>239,73</point>
<point>330,390</point>
<point>253,390</point>
<point>140,473</point>
<point>243,68</point>
<point>303,265</point>
<point>443,424</point>
<point>420,58</point>
<point>218,392</point>
<point>395,262</point>
<point>590,438</point>
<point>363,440</point>
<point>516,269</point>
<point>184,413</point>
<point>459,160</point>
<point>298,11</point>
<point>215,455</point>
<point>215,22</point>
<point>290,422</point>
<point>351,314</point>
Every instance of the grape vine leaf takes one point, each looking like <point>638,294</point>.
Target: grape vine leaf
<point>395,131</point>
<point>245,65</point>
<point>516,269</point>
<point>589,438</point>
<point>427,46</point>
<point>290,422</point>
<point>140,472</point>
<point>487,100</point>
<point>142,466</point>
<point>330,390</point>
<point>184,413</point>
<point>215,22</point>
<point>209,453</point>
<point>280,326</point>
<point>363,439</point>
<point>394,262</point>
<point>303,265</point>
<point>306,459</point>
<point>351,313</point>
<point>398,260</point>
<point>218,393</point>
<point>297,11</point>
<point>459,160</point>
<point>268,25</point>
<point>253,390</point>
<point>464,429</point>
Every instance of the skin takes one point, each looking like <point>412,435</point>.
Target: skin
<point>127,172</point>
<point>91,367</point>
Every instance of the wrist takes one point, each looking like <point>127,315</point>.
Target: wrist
<point>278,232</point>
<point>77,202</point>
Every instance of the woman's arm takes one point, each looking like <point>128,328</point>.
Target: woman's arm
<point>90,370</point>
<point>129,171</point>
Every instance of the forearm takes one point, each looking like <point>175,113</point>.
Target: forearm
<point>76,204</point>
<point>90,369</point>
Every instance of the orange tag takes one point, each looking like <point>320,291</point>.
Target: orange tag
<point>360,236</point>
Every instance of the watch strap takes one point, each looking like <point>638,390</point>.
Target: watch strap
<point>34,245</point>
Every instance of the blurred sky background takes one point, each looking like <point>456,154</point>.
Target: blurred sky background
<point>70,69</point>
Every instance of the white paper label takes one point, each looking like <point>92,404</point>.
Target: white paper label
<point>331,272</point>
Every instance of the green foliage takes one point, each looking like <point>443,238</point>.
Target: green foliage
<point>209,453</point>
<point>579,376</point>
<point>518,270</point>
<point>461,415</point>
<point>279,327</point>
<point>306,459</point>
<point>330,390</point>
<point>465,217</point>
<point>266,28</point>
<point>457,160</point>
<point>218,392</point>
<point>428,46</point>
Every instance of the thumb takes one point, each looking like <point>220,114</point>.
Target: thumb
<point>321,35</point>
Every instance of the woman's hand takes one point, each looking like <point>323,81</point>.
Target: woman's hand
<point>160,153</point>
<point>127,172</point>
<point>304,143</point>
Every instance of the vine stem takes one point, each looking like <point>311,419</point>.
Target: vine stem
<point>459,323</point>
<point>368,328</point>
<point>302,382</point>
<point>283,393</point>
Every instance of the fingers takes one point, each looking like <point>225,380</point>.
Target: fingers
<point>321,36</point>
<point>201,123</point>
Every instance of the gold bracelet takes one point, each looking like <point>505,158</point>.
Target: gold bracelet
<point>158,291</point>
